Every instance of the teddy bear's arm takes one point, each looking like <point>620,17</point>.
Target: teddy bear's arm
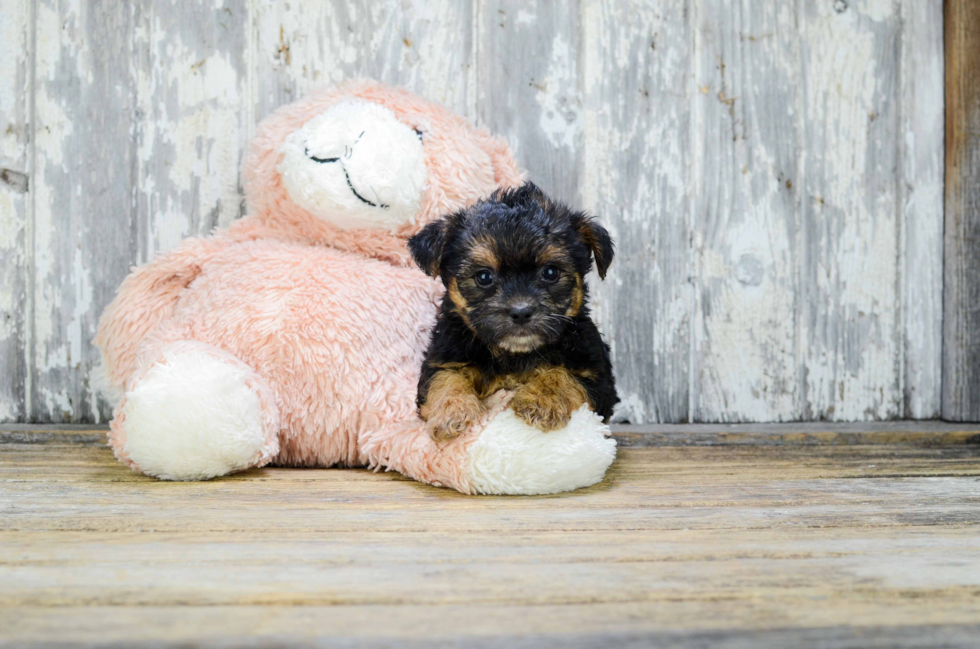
<point>145,299</point>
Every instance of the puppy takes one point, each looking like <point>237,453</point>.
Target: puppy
<point>515,314</point>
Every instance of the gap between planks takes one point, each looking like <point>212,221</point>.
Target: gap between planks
<point>915,433</point>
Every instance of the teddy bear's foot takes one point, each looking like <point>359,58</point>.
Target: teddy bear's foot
<point>499,455</point>
<point>511,457</point>
<point>196,413</point>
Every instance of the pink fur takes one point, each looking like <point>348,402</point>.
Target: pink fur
<point>464,164</point>
<point>332,323</point>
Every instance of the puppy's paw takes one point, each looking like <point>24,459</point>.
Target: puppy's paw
<point>548,399</point>
<point>453,417</point>
<point>545,414</point>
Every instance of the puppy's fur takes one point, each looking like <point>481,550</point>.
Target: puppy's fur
<point>515,315</point>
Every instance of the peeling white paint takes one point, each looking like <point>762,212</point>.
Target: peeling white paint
<point>635,118</point>
<point>923,117</point>
<point>14,207</point>
<point>525,17</point>
<point>560,119</point>
<point>877,10</point>
<point>191,98</point>
<point>13,81</point>
<point>631,408</point>
<point>420,44</point>
<point>11,224</point>
<point>851,321</point>
<point>83,306</point>
<point>745,338</point>
<point>679,124</point>
<point>57,53</point>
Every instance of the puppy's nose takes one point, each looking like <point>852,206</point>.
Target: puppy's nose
<point>521,313</point>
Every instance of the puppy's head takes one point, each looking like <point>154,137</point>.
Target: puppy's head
<point>514,264</point>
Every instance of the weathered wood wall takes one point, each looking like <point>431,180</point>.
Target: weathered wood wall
<point>961,351</point>
<point>772,171</point>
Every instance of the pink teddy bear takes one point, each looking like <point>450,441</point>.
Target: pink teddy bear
<point>295,337</point>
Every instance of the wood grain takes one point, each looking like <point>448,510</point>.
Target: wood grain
<point>770,170</point>
<point>190,64</point>
<point>692,545</point>
<point>16,48</point>
<point>422,627</point>
<point>83,188</point>
<point>529,88</point>
<point>914,433</point>
<point>961,324</point>
<point>747,217</point>
<point>636,172</point>
<point>920,192</point>
<point>422,45</point>
<point>851,335</point>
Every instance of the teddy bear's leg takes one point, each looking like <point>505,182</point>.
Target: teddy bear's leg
<point>510,457</point>
<point>499,455</point>
<point>194,413</point>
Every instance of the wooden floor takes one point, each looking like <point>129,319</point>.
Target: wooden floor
<point>751,537</point>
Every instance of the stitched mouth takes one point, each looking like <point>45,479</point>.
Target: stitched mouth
<point>383,206</point>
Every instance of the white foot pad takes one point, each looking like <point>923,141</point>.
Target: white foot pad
<point>513,458</point>
<point>193,416</point>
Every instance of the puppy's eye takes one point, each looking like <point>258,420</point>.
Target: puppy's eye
<point>550,274</point>
<point>483,277</point>
<point>419,133</point>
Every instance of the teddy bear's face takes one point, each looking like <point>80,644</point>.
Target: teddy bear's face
<point>356,165</point>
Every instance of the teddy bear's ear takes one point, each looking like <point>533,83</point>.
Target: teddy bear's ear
<point>597,239</point>
<point>426,246</point>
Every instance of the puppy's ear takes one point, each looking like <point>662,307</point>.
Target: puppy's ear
<point>426,246</point>
<point>597,239</point>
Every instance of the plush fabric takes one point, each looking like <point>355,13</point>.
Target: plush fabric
<point>227,419</point>
<point>374,155</point>
<point>516,459</point>
<point>296,336</point>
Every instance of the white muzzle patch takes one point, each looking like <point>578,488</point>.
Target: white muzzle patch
<point>355,165</point>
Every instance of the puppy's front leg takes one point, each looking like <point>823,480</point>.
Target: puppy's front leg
<point>548,399</point>
<point>451,402</point>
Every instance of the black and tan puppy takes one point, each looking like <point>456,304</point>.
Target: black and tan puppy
<point>515,313</point>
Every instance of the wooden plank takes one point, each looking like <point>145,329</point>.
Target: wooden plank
<point>636,179</point>
<point>191,76</point>
<point>529,88</point>
<point>686,546</point>
<point>677,625</point>
<point>747,222</point>
<point>915,433</point>
<point>920,192</point>
<point>961,324</point>
<point>851,332</point>
<point>544,569</point>
<point>83,191</point>
<point>157,110</point>
<point>804,434</point>
<point>16,47</point>
<point>140,140</point>
<point>77,488</point>
<point>424,46</point>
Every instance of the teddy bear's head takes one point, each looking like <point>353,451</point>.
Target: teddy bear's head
<point>364,166</point>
